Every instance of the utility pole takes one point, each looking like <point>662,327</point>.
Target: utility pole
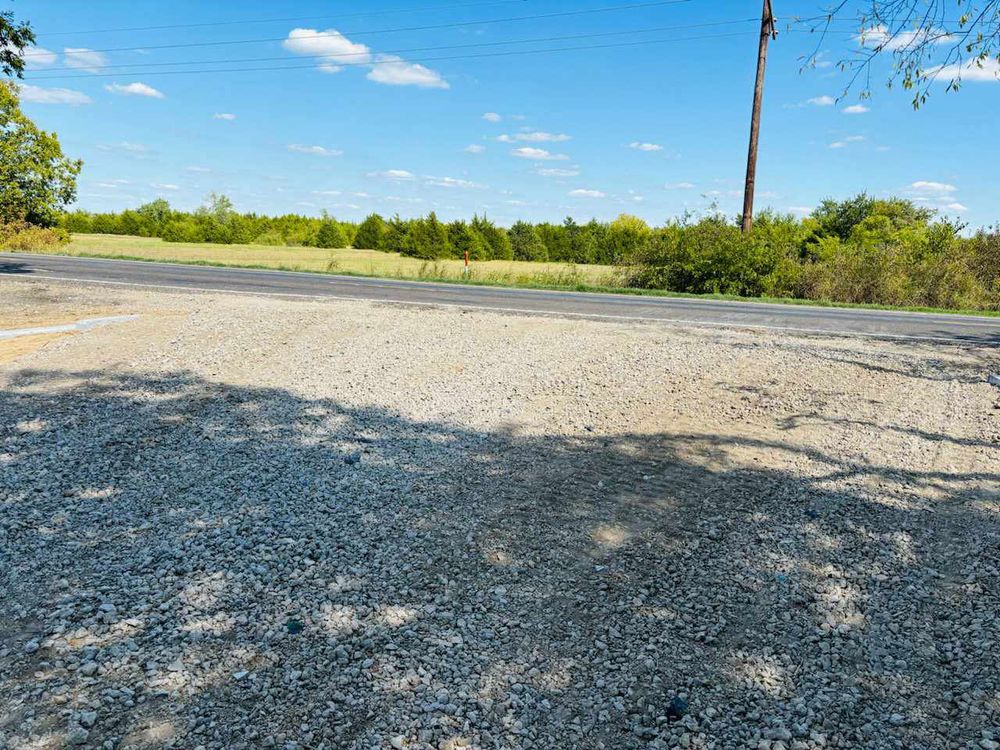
<point>767,32</point>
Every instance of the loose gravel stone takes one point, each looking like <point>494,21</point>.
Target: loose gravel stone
<point>241,522</point>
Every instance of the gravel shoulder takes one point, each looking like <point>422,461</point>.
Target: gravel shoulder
<point>243,522</point>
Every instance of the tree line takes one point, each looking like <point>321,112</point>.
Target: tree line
<point>885,251</point>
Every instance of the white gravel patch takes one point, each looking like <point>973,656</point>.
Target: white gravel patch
<point>252,523</point>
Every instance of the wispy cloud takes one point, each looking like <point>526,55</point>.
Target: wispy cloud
<point>223,116</point>
<point>314,150</point>
<point>537,154</point>
<point>585,193</point>
<point>164,186</point>
<point>39,57</point>
<point>855,109</point>
<point>534,136</point>
<point>393,174</point>
<point>639,146</point>
<point>929,186</point>
<point>127,146</point>
<point>557,172</point>
<point>492,117</point>
<point>395,71</point>
<point>845,141</point>
<point>134,89</point>
<point>981,71</point>
<point>39,95</point>
<point>474,148</point>
<point>679,186</point>
<point>82,58</point>
<point>451,182</point>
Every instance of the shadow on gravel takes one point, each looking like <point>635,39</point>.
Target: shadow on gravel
<point>205,564</point>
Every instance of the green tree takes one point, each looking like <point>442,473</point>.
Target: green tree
<point>496,239</point>
<point>396,235</point>
<point>464,239</point>
<point>428,239</point>
<point>36,180</point>
<point>14,37</point>
<point>525,242</point>
<point>155,214</point>
<point>330,235</point>
<point>371,233</point>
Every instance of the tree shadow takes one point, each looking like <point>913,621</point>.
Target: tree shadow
<point>248,567</point>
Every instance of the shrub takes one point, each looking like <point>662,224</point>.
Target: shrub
<point>464,239</point>
<point>20,235</point>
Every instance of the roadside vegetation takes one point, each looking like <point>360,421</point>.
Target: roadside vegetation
<point>862,250</point>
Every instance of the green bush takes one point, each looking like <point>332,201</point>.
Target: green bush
<point>20,235</point>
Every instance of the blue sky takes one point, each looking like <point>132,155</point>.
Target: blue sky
<point>389,120</point>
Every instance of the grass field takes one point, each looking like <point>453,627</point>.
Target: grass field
<point>346,261</point>
<point>565,276</point>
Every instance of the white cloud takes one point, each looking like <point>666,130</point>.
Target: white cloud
<point>492,117</point>
<point>928,186</point>
<point>582,193</point>
<point>134,89</point>
<point>955,207</point>
<point>132,148</point>
<point>847,140</point>
<point>971,70</point>
<point>39,95</point>
<point>314,150</point>
<point>326,192</point>
<point>474,148</point>
<point>393,174</point>
<point>200,170</point>
<point>164,186</point>
<point>395,71</point>
<point>822,101</point>
<point>800,210</point>
<point>880,38</point>
<point>679,186</point>
<point>452,182</point>
<point>223,116</point>
<point>534,136</point>
<point>38,57</point>
<point>332,47</point>
<point>557,172</point>
<point>82,58</point>
<point>638,146</point>
<point>855,109</point>
<point>538,154</point>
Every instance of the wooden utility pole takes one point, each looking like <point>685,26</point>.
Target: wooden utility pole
<point>767,32</point>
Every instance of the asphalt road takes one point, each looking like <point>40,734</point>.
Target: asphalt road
<point>699,312</point>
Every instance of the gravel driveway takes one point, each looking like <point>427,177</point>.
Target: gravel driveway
<point>245,522</point>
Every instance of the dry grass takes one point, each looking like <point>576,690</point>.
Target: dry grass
<point>345,261</point>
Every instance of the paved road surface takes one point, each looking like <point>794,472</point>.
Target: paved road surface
<point>793,318</point>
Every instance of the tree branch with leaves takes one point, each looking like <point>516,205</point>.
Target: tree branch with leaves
<point>928,41</point>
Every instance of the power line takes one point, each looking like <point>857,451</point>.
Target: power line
<point>458,24</point>
<point>505,53</point>
<point>404,50</point>
<point>387,12</point>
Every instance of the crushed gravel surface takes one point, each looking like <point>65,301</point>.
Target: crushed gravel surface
<point>244,522</point>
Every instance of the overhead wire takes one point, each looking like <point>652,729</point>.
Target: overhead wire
<point>335,55</point>
<point>428,27</point>
<point>239,22</point>
<point>346,63</point>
